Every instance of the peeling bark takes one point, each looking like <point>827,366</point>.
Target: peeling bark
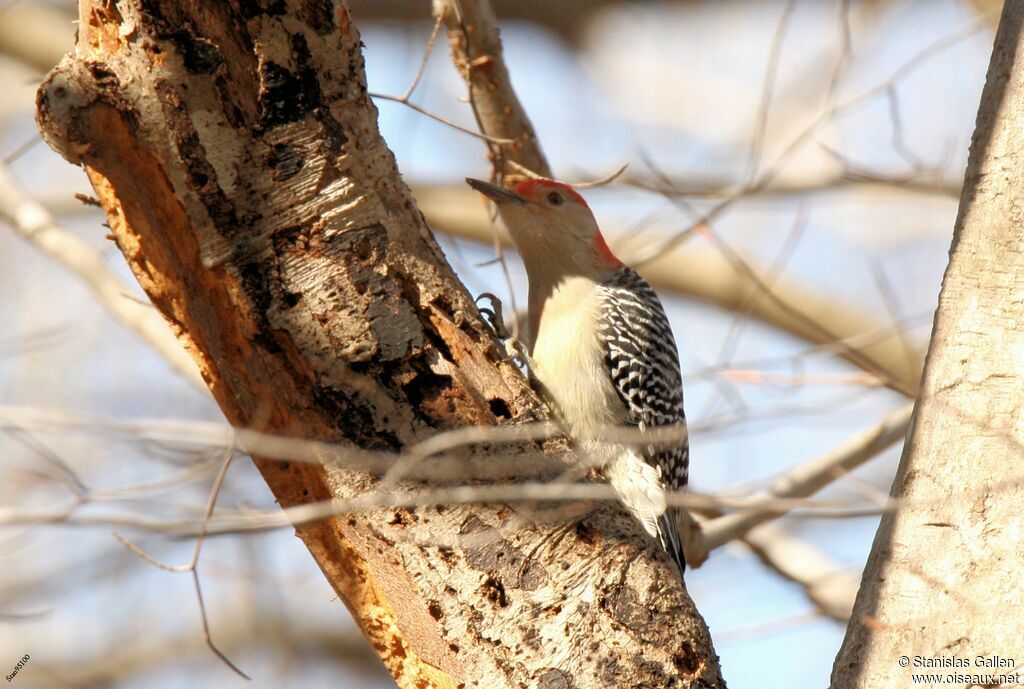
<point>944,579</point>
<point>237,157</point>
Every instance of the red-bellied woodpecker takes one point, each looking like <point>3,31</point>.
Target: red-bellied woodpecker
<point>601,347</point>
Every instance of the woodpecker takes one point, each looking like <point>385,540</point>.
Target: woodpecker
<point>601,347</point>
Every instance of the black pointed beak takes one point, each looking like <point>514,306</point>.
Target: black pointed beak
<point>494,192</point>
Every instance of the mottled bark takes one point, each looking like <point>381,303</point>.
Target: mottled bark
<point>945,578</point>
<point>237,157</point>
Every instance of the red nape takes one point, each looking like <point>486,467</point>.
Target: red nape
<point>603,252</point>
<point>532,188</point>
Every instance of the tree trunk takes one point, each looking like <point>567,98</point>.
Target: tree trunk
<point>237,157</point>
<point>945,578</point>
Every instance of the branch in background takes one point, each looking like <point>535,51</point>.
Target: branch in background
<point>35,33</point>
<point>278,632</point>
<point>31,221</point>
<point>450,471</point>
<point>803,481</point>
<point>831,587</point>
<point>851,177</point>
<point>805,322</point>
<point>452,454</point>
<point>710,277</point>
<point>476,52</point>
<point>569,501</point>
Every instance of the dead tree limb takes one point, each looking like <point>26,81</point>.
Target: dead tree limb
<point>944,577</point>
<point>237,157</point>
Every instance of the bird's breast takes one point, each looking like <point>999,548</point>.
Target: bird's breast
<point>569,358</point>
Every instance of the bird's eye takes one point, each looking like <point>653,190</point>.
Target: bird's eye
<point>555,199</point>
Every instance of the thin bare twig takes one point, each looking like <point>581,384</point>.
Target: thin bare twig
<point>860,340</point>
<point>251,521</point>
<point>21,150</point>
<point>768,86</point>
<point>742,314</point>
<point>439,118</point>
<point>476,52</point>
<point>404,98</point>
<point>435,32</point>
<point>755,377</point>
<point>193,564</point>
<point>845,50</point>
<point>830,113</point>
<point>889,297</point>
<point>64,473</point>
<point>599,182</point>
<point>905,387</point>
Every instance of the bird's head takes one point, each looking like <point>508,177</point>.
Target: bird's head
<point>551,223</point>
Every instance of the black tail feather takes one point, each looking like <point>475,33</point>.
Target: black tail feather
<point>668,530</point>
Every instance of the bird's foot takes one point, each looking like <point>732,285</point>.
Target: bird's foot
<point>493,315</point>
<point>513,348</point>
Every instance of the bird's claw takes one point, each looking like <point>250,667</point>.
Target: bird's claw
<point>494,315</point>
<point>513,348</point>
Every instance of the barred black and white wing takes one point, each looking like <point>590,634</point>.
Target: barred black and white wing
<point>643,362</point>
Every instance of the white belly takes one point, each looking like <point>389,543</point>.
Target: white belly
<point>569,360</point>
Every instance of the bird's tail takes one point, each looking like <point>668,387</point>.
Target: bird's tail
<point>668,534</point>
<point>640,489</point>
